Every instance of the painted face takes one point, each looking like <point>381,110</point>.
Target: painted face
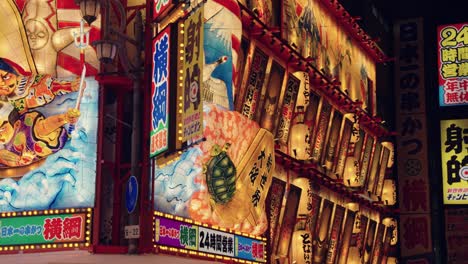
<point>8,82</point>
<point>37,33</point>
<point>6,131</point>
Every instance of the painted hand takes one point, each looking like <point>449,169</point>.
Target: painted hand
<point>72,115</point>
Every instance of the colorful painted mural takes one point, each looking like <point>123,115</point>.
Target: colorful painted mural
<point>222,37</point>
<point>48,108</point>
<point>223,181</point>
<point>309,27</point>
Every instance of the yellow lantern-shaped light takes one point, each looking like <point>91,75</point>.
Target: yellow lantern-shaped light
<point>301,247</point>
<point>392,223</point>
<point>352,206</point>
<point>389,192</point>
<point>390,146</point>
<point>303,183</point>
<point>353,256</point>
<point>298,137</point>
<point>351,175</point>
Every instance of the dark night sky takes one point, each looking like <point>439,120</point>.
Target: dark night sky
<point>439,11</point>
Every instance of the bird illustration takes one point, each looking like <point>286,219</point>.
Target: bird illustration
<point>214,89</point>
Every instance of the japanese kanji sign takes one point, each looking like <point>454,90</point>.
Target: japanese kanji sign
<point>411,142</point>
<point>177,234</point>
<point>453,64</point>
<point>415,235</point>
<point>322,127</point>
<point>255,81</point>
<point>183,235</point>
<point>454,148</point>
<point>192,120</point>
<point>42,229</point>
<point>258,165</point>
<point>216,242</point>
<point>335,234</point>
<point>273,205</point>
<point>289,102</point>
<point>456,234</point>
<point>161,6</point>
<point>289,221</point>
<point>160,84</point>
<point>344,242</point>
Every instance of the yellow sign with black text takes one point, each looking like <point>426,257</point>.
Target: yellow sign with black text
<point>454,148</point>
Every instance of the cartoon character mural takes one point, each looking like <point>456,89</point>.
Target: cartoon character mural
<point>48,124</point>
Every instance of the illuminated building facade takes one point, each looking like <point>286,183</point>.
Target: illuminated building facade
<point>241,131</point>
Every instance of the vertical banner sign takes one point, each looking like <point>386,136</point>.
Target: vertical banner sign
<point>335,234</point>
<point>366,158</point>
<point>343,147</point>
<point>386,245</point>
<point>287,110</point>
<point>456,234</point>
<point>331,147</point>
<point>322,127</point>
<point>310,119</point>
<point>363,222</point>
<point>369,241</point>
<point>319,249</point>
<point>373,172</point>
<point>378,244</point>
<point>160,93</point>
<point>344,243</point>
<point>454,148</point>
<point>267,113</point>
<point>289,221</point>
<point>193,67</point>
<point>382,171</point>
<point>452,64</point>
<point>415,233</point>
<point>255,81</point>
<point>161,6</point>
<point>315,201</point>
<point>412,141</point>
<point>273,205</point>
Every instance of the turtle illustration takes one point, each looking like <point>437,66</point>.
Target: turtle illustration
<point>221,175</point>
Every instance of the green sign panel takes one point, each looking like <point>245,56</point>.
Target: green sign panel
<point>43,229</point>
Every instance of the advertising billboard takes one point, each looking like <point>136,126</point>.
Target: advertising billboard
<point>317,34</point>
<point>42,229</point>
<point>454,160</point>
<point>160,87</point>
<point>225,179</point>
<point>452,43</point>
<point>49,107</point>
<point>161,7</point>
<point>192,75</point>
<point>184,235</point>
